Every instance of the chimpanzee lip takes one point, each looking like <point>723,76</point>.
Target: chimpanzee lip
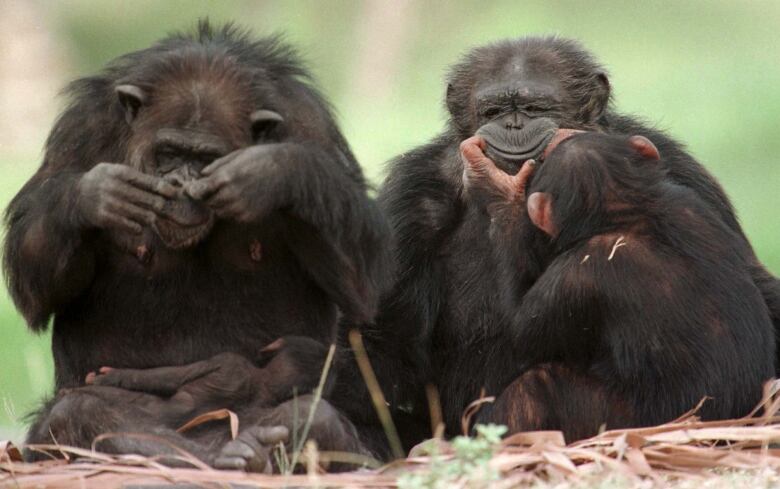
<point>522,154</point>
<point>179,236</point>
<point>518,145</point>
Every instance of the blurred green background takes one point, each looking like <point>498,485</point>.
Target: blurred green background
<point>706,71</point>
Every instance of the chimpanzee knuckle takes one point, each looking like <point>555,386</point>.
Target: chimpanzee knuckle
<point>124,172</point>
<point>102,169</point>
<point>107,186</point>
<point>112,170</point>
<point>102,209</point>
<point>223,179</point>
<point>158,204</point>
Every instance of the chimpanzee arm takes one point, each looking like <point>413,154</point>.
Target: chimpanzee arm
<point>336,230</point>
<point>47,259</point>
<point>561,314</point>
<point>52,221</point>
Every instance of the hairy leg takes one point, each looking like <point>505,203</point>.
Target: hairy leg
<point>555,397</point>
<point>77,417</point>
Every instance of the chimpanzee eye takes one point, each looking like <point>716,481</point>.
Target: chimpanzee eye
<point>491,112</point>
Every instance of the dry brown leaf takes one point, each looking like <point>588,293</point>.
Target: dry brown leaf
<point>560,460</point>
<point>539,438</point>
<point>213,416</point>
<point>9,453</point>
<point>636,459</point>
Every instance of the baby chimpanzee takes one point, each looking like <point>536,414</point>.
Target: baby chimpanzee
<point>288,366</point>
<point>642,303</point>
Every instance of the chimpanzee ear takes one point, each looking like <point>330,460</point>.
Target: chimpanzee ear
<point>540,211</point>
<point>644,147</point>
<point>599,98</point>
<point>449,98</point>
<point>263,122</point>
<point>132,97</point>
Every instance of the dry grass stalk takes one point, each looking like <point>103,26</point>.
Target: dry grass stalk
<point>684,449</point>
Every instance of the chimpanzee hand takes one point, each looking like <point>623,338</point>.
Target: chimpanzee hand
<point>485,183</point>
<point>116,196</point>
<point>251,451</point>
<point>247,184</point>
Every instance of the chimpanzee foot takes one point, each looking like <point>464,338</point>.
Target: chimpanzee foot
<point>251,451</point>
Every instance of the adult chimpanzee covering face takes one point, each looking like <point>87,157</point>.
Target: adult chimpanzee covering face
<point>195,198</point>
<point>516,96</point>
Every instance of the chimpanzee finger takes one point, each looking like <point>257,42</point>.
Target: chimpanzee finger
<point>274,346</point>
<point>224,197</point>
<point>219,163</point>
<point>478,141</point>
<point>124,224</point>
<point>135,213</point>
<point>250,451</point>
<point>472,153</point>
<point>521,179</point>
<point>272,435</point>
<point>224,462</point>
<point>142,198</point>
<point>149,183</point>
<point>203,188</point>
<point>125,216</point>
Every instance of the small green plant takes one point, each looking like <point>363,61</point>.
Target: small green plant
<point>469,465</point>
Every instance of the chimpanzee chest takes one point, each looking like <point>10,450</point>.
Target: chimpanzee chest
<point>237,291</point>
<point>472,298</point>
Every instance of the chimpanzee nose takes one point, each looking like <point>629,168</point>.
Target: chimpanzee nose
<point>514,120</point>
<point>183,174</point>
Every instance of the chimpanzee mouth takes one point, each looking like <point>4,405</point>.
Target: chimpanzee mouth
<point>518,145</point>
<point>184,223</point>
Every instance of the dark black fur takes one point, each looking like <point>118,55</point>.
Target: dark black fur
<point>446,302</point>
<point>114,303</point>
<point>644,304</point>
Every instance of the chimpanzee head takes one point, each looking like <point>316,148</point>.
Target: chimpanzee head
<point>185,108</point>
<point>516,93</point>
<point>594,182</point>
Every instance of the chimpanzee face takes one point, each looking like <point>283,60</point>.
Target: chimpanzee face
<point>518,93</point>
<point>187,120</point>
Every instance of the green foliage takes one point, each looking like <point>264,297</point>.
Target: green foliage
<point>469,465</point>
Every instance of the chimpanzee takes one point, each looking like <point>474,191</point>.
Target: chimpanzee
<point>446,301</point>
<point>173,396</point>
<point>195,198</point>
<point>288,366</point>
<point>642,303</point>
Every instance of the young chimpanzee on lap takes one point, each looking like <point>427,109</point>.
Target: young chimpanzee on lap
<point>288,366</point>
<point>642,304</point>
<point>172,396</point>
